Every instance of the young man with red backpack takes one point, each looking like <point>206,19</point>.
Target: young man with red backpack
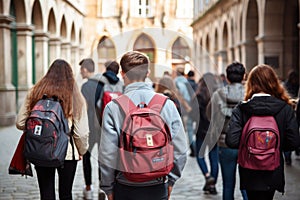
<point>143,146</point>
<point>97,91</point>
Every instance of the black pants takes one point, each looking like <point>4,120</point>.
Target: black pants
<point>87,168</point>
<point>46,180</point>
<point>260,195</point>
<point>155,192</point>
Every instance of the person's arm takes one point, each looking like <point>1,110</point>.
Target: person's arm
<point>235,128</point>
<point>81,132</point>
<point>108,151</point>
<point>172,117</point>
<point>291,133</point>
<point>23,113</point>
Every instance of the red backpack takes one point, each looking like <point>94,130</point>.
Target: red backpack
<point>108,93</point>
<point>259,144</point>
<point>146,149</point>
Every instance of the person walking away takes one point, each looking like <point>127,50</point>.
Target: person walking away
<point>90,90</point>
<point>117,186</point>
<point>219,111</point>
<point>264,96</point>
<point>184,87</point>
<point>206,86</point>
<point>292,87</point>
<point>167,87</point>
<point>59,81</point>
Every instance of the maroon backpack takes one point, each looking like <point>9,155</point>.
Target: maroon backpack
<point>259,144</point>
<point>146,150</point>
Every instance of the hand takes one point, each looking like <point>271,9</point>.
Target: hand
<point>110,196</point>
<point>170,188</point>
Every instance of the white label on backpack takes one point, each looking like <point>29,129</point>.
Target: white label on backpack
<point>37,130</point>
<point>149,140</point>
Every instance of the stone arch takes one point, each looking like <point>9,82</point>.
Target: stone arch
<point>281,33</point>
<point>20,11</point>
<point>106,50</point>
<point>1,6</point>
<point>51,23</point>
<point>63,28</point>
<point>250,28</point>
<point>144,43</point>
<point>37,17</point>
<point>73,34</point>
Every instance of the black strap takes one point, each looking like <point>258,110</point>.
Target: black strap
<point>71,141</point>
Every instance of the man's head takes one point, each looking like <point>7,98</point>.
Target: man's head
<point>180,71</point>
<point>135,66</point>
<point>235,72</point>
<point>87,67</point>
<point>112,66</point>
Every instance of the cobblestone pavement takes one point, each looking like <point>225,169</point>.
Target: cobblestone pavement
<point>189,187</point>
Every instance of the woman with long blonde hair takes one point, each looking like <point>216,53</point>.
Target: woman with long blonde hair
<point>59,81</point>
<point>264,96</point>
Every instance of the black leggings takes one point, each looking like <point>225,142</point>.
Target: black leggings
<point>87,168</point>
<point>260,195</point>
<point>155,192</point>
<point>46,180</point>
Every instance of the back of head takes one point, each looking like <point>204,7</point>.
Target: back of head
<point>191,74</point>
<point>263,79</point>
<point>166,83</point>
<point>180,71</point>
<point>135,65</point>
<point>59,81</point>
<point>235,72</point>
<point>88,64</point>
<point>112,66</point>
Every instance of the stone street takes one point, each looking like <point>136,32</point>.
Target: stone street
<point>189,187</point>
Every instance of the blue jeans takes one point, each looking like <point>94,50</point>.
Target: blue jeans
<point>213,160</point>
<point>228,163</point>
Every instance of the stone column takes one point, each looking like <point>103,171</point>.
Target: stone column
<point>222,61</point>
<point>75,59</point>
<point>41,54</point>
<point>7,90</point>
<point>24,40</point>
<point>54,49</point>
<point>66,51</point>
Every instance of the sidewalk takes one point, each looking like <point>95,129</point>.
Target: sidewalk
<point>189,187</point>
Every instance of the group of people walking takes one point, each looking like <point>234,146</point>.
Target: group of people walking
<point>203,118</point>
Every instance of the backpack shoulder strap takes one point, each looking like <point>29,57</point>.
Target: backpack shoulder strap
<point>125,103</point>
<point>157,102</point>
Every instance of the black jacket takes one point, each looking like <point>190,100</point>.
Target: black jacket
<point>290,140</point>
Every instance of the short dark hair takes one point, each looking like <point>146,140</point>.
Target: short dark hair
<point>88,64</point>
<point>235,72</point>
<point>135,64</point>
<point>112,66</point>
<point>191,73</point>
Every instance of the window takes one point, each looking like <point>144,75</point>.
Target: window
<point>180,49</point>
<point>106,50</point>
<point>141,8</point>
<point>109,8</point>
<point>184,9</point>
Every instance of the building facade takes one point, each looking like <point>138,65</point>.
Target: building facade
<point>36,32</point>
<point>250,31</point>
<point>159,28</point>
<point>33,34</point>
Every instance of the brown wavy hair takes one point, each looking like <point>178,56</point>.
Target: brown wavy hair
<point>59,81</point>
<point>262,78</point>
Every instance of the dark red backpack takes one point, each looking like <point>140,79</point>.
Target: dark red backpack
<point>259,144</point>
<point>146,149</point>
